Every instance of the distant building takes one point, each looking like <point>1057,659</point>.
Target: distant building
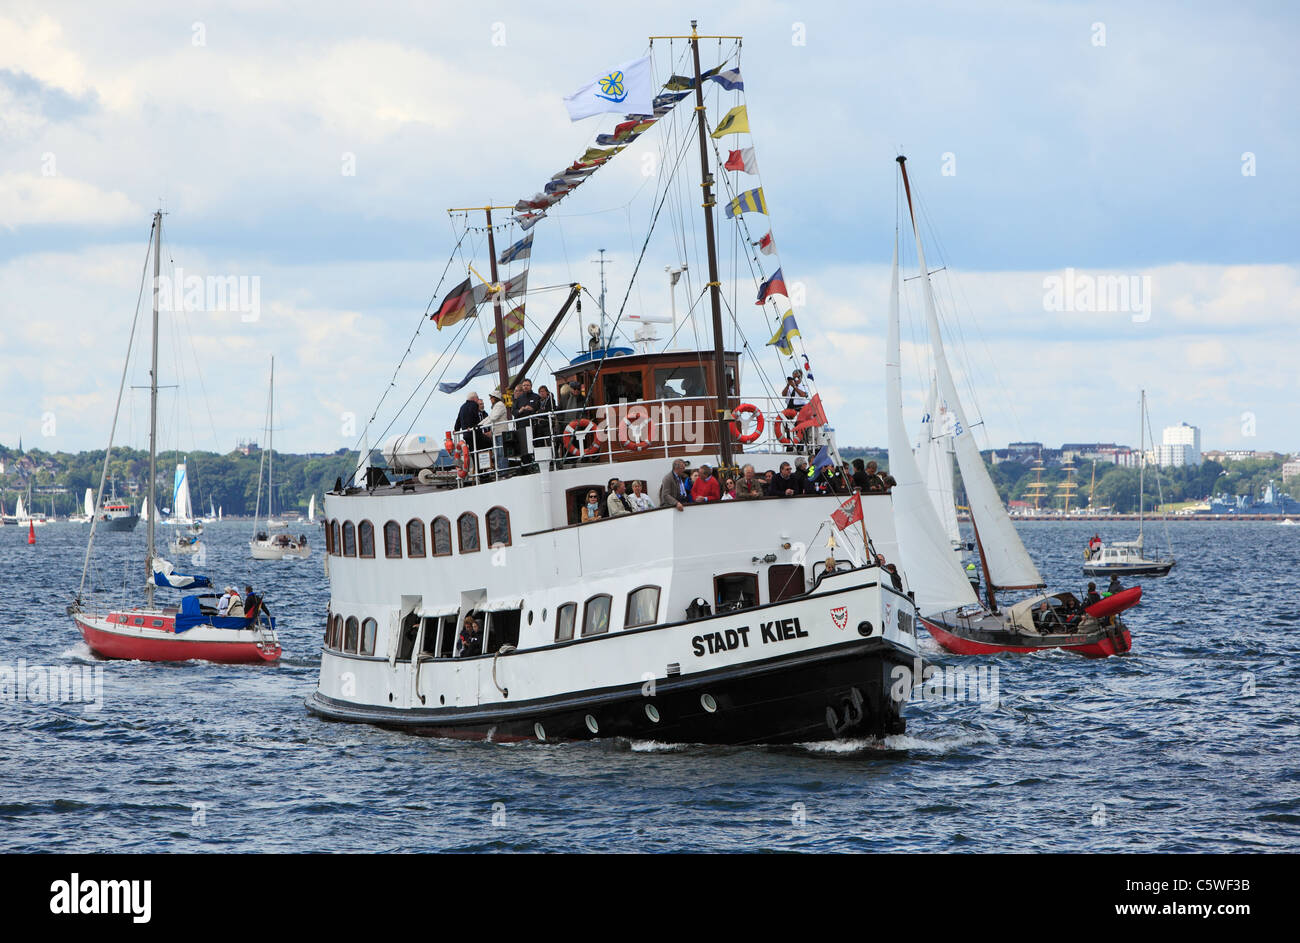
<point>1180,445</point>
<point>1290,470</point>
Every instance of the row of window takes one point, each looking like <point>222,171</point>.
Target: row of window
<point>642,609</point>
<point>352,636</point>
<point>343,538</point>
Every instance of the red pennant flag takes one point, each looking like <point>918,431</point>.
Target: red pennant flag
<point>811,415</point>
<point>742,160</point>
<point>850,512</point>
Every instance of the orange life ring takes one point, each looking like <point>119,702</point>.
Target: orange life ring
<point>461,454</point>
<point>785,426</point>
<point>571,434</point>
<point>748,437</point>
<point>624,433</point>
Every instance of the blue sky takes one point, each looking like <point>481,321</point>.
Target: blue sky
<point>1124,158</point>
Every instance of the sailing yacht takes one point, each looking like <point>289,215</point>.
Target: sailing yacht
<point>492,599</point>
<point>194,627</point>
<point>88,509</point>
<point>264,546</point>
<point>188,539</point>
<point>1126,558</point>
<point>947,603</point>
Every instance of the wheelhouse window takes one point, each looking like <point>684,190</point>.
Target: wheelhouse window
<point>366,538</point>
<point>733,591</point>
<point>441,529</point>
<point>595,616</point>
<point>349,540</point>
<point>393,540</point>
<point>467,530</point>
<point>642,607</point>
<point>498,527</point>
<point>415,538</point>
<point>565,617</point>
<point>676,382</point>
<point>351,634</point>
<point>368,630</point>
<point>624,386</point>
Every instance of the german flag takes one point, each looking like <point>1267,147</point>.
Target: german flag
<point>455,306</point>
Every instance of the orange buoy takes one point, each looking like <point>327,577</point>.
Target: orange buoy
<point>31,532</point>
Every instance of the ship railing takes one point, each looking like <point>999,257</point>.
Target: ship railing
<point>672,427</point>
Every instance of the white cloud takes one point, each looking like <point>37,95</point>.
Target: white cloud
<point>28,199</point>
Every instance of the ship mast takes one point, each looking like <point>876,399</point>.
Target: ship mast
<point>715,286</point>
<point>152,495</point>
<point>495,289</point>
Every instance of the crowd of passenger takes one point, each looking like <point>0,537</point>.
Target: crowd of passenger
<point>684,486</point>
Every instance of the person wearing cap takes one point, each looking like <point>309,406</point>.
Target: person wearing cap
<point>498,423</point>
<point>223,604</point>
<point>236,609</point>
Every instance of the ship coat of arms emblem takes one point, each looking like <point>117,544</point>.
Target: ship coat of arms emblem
<point>840,616</point>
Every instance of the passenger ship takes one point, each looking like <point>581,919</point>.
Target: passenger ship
<point>725,622</point>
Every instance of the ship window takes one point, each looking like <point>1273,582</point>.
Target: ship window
<point>447,644</point>
<point>137,621</point>
<point>502,629</point>
<point>336,635</point>
<point>329,537</point>
<point>406,641</point>
<point>675,382</point>
<point>441,528</point>
<point>329,624</point>
<point>498,527</point>
<point>565,617</point>
<point>368,630</point>
<point>732,591</point>
<point>623,386</point>
<point>595,617</point>
<point>349,540</point>
<point>429,645</point>
<point>353,630</point>
<point>337,548</point>
<point>467,528</point>
<point>415,538</point>
<point>366,539</point>
<point>393,540</point>
<point>642,607</point>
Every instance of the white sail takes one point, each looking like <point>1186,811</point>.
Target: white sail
<point>935,458</point>
<point>182,507</point>
<point>311,510</point>
<point>20,512</point>
<point>144,509</point>
<point>933,571</point>
<point>1007,563</point>
<point>89,503</point>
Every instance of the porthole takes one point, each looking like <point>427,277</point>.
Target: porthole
<point>442,699</point>
<point>652,712</point>
<point>540,731</point>
<point>543,615</point>
<point>708,703</point>
<point>592,725</point>
<point>530,617</point>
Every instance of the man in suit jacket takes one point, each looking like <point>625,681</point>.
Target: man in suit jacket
<point>675,489</point>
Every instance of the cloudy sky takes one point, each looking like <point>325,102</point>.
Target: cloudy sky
<point>318,146</point>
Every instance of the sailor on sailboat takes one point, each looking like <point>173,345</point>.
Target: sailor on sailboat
<point>716,623</point>
<point>945,599</point>
<point>191,628</point>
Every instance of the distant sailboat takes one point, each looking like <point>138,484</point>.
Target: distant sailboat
<point>311,510</point>
<point>183,515</point>
<point>281,546</point>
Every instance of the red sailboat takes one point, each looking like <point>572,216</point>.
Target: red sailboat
<point>193,628</point>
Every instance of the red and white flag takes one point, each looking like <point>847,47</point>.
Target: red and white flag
<point>742,160</point>
<point>767,245</point>
<point>850,512</point>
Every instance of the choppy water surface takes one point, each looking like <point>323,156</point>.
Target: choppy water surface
<point>1189,744</point>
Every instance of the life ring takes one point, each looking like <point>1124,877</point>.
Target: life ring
<point>461,454</point>
<point>646,422</point>
<point>749,409</point>
<point>572,440</point>
<point>785,423</point>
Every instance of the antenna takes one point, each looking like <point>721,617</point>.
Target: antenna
<point>602,262</point>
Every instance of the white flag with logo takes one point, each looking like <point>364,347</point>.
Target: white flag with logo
<point>624,89</point>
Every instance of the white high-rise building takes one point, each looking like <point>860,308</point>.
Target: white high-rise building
<point>1181,446</point>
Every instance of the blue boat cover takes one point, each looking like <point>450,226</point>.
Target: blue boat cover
<point>191,615</point>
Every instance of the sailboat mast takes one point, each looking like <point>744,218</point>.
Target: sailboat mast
<point>270,447</point>
<point>152,495</point>
<point>1142,459</point>
<point>715,286</point>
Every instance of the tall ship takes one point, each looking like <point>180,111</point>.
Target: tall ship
<point>552,569</point>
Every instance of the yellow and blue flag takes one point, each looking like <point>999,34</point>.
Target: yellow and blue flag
<point>751,201</point>
<point>784,332</point>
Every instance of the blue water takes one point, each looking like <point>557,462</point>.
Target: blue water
<point>1189,744</point>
